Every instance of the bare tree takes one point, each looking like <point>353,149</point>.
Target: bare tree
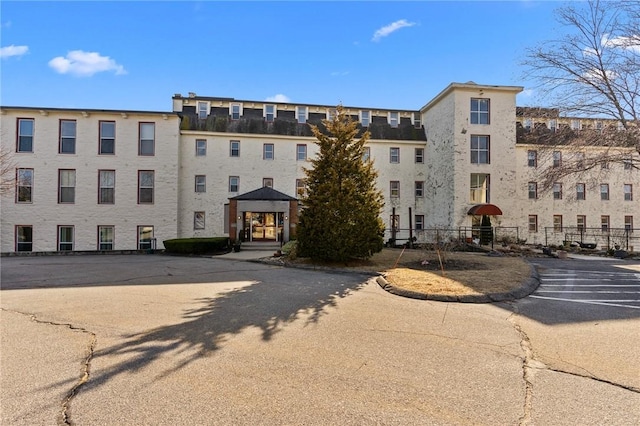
<point>7,171</point>
<point>592,71</point>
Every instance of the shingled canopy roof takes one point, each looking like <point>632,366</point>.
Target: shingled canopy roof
<point>263,194</point>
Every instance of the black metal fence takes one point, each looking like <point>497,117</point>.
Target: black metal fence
<point>610,238</point>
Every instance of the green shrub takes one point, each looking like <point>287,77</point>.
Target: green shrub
<point>290,249</point>
<point>196,245</point>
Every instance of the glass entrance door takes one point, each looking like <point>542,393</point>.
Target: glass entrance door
<point>263,227</point>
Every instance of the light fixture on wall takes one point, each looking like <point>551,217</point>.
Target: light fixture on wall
<point>286,218</point>
<point>239,217</point>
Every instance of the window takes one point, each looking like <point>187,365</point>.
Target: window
<point>301,188</point>
<point>419,157</point>
<point>580,160</point>
<point>202,110</point>
<point>201,183</point>
<point>557,158</point>
<point>145,237</point>
<point>105,237</point>
<point>67,143</point>
<point>395,188</point>
<point>604,223</point>
<point>528,123</point>
<point>557,191</point>
<point>24,238</point>
<point>599,126</point>
<point>106,186</point>
<point>267,182</point>
<point>479,149</point>
<point>394,119</point>
<point>557,223</point>
<point>394,155</point>
<point>576,124</point>
<point>365,118</point>
<point>107,137</point>
<point>331,114</point>
<point>65,238</point>
<point>581,222</point>
<point>533,190</point>
<point>533,223</point>
<point>66,186</point>
<point>25,135</point>
<point>479,188</point>
<point>267,150</point>
<point>366,154</point>
<point>145,186</point>
<point>301,114</point>
<point>604,164</point>
<point>604,191</point>
<point>419,222</point>
<point>24,185</point>
<point>479,111</point>
<point>269,113</point>
<point>201,147</point>
<point>628,163</point>
<point>553,125</point>
<point>628,192</point>
<point>236,111</point>
<point>628,223</point>
<point>532,158</point>
<point>234,148</point>
<point>301,152</point>
<point>147,139</point>
<point>580,191</point>
<point>198,220</point>
<point>234,183</point>
<point>419,188</point>
<point>417,120</point>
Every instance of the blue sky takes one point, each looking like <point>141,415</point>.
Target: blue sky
<point>136,55</point>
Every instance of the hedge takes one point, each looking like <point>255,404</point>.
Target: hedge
<point>196,245</point>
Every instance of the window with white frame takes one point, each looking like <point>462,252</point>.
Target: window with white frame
<point>365,118</point>
<point>599,126</point>
<point>604,223</point>
<point>479,149</point>
<point>145,237</point>
<point>268,151</point>
<point>419,155</point>
<point>419,222</point>
<point>235,111</point>
<point>557,191</point>
<point>417,120</point>
<point>394,119</point>
<point>234,183</point>
<point>24,185</point>
<point>147,139</point>
<point>332,113</point>
<point>576,124</point>
<point>67,143</point>
<point>580,191</point>
<point>234,148</point>
<point>66,186</point>
<point>267,182</point>
<point>581,222</point>
<point>107,138</point>
<point>532,158</point>
<point>628,223</point>
<point>533,223</point>
<point>145,186</point>
<point>533,190</point>
<point>528,124</point>
<point>553,125</point>
<point>201,147</point>
<point>580,160</point>
<point>628,163</point>
<point>203,110</point>
<point>557,158</point>
<point>366,154</point>
<point>479,184</point>
<point>301,114</point>
<point>65,238</point>
<point>604,164</point>
<point>106,186</point>
<point>25,135</point>
<point>419,188</point>
<point>394,155</point>
<point>604,191</point>
<point>24,238</point>
<point>301,188</point>
<point>557,223</point>
<point>201,183</point>
<point>394,188</point>
<point>105,237</point>
<point>301,152</point>
<point>628,192</point>
<point>198,220</point>
<point>479,111</point>
<point>269,113</point>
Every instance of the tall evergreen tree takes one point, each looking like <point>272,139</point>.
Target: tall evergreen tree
<point>341,215</point>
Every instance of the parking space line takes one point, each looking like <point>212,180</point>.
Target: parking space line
<point>593,302</point>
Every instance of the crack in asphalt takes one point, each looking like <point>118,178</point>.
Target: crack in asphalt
<point>528,369</point>
<point>64,417</point>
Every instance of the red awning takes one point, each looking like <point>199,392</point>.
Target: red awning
<point>485,209</point>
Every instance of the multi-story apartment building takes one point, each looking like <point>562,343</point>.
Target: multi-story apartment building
<point>224,167</point>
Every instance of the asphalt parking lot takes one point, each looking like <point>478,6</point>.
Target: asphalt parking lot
<point>159,340</point>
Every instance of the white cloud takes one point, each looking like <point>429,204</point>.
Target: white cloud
<point>339,73</point>
<point>631,43</point>
<point>392,27</point>
<point>278,98</point>
<point>8,51</point>
<point>527,93</point>
<point>85,64</point>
